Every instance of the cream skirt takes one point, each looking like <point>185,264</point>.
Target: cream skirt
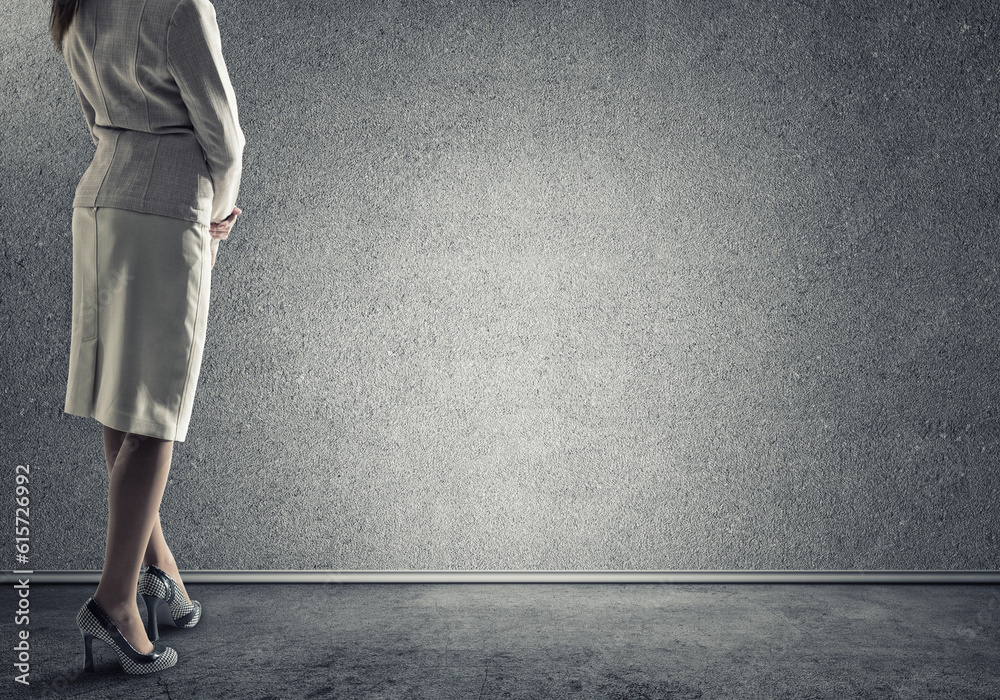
<point>141,284</point>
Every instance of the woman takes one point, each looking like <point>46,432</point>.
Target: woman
<point>148,215</point>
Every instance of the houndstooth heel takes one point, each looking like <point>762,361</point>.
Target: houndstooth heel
<point>94,622</point>
<point>165,602</point>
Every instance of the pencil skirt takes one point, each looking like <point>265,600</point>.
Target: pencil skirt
<point>141,285</point>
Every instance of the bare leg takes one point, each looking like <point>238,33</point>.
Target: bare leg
<point>157,552</point>
<point>136,485</point>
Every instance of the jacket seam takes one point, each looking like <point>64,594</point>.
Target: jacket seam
<point>170,23</point>
<point>111,162</point>
<point>135,67</point>
<point>152,167</point>
<point>97,75</point>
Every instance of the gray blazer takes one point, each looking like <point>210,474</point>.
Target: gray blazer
<point>161,110</point>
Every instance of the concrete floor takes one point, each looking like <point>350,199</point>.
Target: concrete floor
<point>608,641</point>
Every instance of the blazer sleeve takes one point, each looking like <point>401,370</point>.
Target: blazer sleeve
<point>194,59</point>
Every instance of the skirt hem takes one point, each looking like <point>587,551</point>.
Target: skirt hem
<point>130,424</point>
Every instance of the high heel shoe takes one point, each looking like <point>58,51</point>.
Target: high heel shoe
<point>94,622</point>
<point>165,602</point>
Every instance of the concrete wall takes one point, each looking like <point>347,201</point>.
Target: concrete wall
<point>557,285</point>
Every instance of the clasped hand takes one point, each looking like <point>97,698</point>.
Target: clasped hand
<point>222,228</point>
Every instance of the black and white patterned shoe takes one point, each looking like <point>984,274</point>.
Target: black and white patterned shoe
<point>94,622</point>
<point>165,602</point>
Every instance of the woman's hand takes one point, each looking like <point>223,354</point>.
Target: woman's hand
<point>222,228</point>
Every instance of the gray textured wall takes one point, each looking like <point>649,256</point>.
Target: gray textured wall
<point>577,285</point>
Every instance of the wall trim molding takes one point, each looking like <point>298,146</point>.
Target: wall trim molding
<point>535,576</point>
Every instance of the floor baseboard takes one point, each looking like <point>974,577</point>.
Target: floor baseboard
<point>535,576</point>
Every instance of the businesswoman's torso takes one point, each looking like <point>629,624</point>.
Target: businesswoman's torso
<point>156,94</point>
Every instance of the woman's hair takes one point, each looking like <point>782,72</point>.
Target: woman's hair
<point>60,19</point>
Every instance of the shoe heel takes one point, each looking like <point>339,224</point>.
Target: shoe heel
<point>88,651</point>
<point>152,628</point>
<point>94,622</point>
<point>172,607</point>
